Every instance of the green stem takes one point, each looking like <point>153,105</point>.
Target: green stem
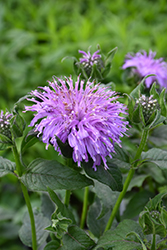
<point>85,206</point>
<point>128,179</point>
<point>19,169</point>
<point>30,211</point>
<point>67,197</point>
<point>153,242</point>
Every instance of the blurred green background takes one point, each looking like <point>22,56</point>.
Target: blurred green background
<point>35,35</point>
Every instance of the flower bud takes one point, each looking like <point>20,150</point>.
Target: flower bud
<point>5,124</point>
<point>88,61</point>
<point>148,106</point>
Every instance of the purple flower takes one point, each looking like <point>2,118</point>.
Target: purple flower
<point>145,65</point>
<point>88,59</point>
<point>85,116</point>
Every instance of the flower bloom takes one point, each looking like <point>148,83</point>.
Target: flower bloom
<point>145,65</point>
<point>5,123</point>
<point>80,114</point>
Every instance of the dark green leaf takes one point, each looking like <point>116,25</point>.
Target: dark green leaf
<point>95,224</point>
<point>111,177</point>
<point>47,205</point>
<point>44,173</point>
<point>52,245</point>
<point>157,156</point>
<point>18,125</point>
<point>28,141</point>
<point>6,166</point>
<point>103,192</point>
<point>77,239</point>
<point>41,222</point>
<point>120,158</point>
<point>119,238</point>
<point>137,204</point>
<point>65,211</point>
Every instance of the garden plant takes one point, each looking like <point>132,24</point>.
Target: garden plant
<point>83,135</point>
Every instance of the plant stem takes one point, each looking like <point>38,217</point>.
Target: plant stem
<point>128,179</point>
<point>30,211</point>
<point>67,197</point>
<point>19,169</point>
<point>153,242</point>
<point>85,206</point>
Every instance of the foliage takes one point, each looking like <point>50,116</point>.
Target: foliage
<point>35,36</point>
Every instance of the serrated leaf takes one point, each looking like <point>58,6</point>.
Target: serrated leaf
<point>118,239</point>
<point>111,177</point>
<point>65,211</point>
<point>45,173</point>
<point>41,222</point>
<point>6,166</point>
<point>157,156</point>
<point>77,239</point>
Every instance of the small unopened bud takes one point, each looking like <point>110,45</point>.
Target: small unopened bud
<point>148,104</point>
<point>88,60</point>
<point>5,124</point>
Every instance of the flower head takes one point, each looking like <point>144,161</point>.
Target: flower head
<point>85,116</point>
<point>144,65</point>
<point>88,60</point>
<point>5,124</point>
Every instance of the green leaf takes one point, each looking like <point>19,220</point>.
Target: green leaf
<point>136,93</point>
<point>47,205</point>
<point>77,239</point>
<point>6,166</point>
<point>119,239</point>
<point>41,222</point>
<point>65,211</point>
<point>59,225</point>
<point>158,137</point>
<point>18,125</point>
<point>154,218</point>
<point>137,181</point>
<point>157,156</point>
<point>52,245</point>
<point>45,173</point>
<point>111,177</point>
<point>120,158</point>
<point>103,192</point>
<point>96,224</point>
<point>136,204</point>
<point>28,141</point>
<point>111,54</point>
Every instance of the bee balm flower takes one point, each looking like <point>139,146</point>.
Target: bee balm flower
<point>85,116</point>
<point>144,65</point>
